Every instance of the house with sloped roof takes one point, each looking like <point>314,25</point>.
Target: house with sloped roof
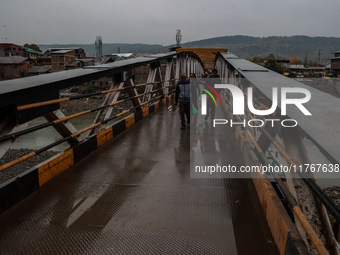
<point>32,54</point>
<point>79,52</point>
<point>60,58</point>
<point>14,67</point>
<point>12,49</point>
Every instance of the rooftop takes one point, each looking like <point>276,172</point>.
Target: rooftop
<point>73,63</point>
<point>40,69</point>
<point>61,51</point>
<point>122,55</point>
<point>12,60</point>
<point>296,66</point>
<point>10,44</point>
<point>32,51</point>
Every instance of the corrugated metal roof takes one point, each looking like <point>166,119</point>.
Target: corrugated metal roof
<point>40,69</point>
<point>296,66</point>
<point>61,51</point>
<point>70,48</point>
<point>73,63</point>
<point>122,55</point>
<point>12,60</point>
<point>316,68</point>
<point>32,51</point>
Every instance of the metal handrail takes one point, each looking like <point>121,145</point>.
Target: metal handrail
<point>291,200</point>
<point>32,154</point>
<point>48,124</point>
<point>65,99</point>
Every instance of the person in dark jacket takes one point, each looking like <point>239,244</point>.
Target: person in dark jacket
<point>214,78</point>
<point>183,97</point>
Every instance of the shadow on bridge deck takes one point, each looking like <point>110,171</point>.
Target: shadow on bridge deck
<point>135,195</point>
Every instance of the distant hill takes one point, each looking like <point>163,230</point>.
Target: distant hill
<point>284,46</point>
<point>243,46</point>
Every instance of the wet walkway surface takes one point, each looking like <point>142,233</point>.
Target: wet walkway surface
<point>135,196</point>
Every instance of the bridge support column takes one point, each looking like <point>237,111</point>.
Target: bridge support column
<point>151,78</point>
<point>167,76</point>
<point>132,93</point>
<point>109,99</point>
<point>65,129</point>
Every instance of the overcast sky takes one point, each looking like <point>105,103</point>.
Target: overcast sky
<point>156,21</point>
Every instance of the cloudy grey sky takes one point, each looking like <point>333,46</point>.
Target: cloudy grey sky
<point>156,21</point>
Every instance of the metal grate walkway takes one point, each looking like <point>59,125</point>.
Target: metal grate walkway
<point>134,196</point>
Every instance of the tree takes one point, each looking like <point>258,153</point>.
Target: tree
<point>306,59</point>
<point>32,46</point>
<point>258,59</point>
<point>270,56</point>
<point>294,60</point>
<point>313,63</point>
<point>274,66</point>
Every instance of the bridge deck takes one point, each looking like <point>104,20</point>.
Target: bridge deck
<point>135,195</point>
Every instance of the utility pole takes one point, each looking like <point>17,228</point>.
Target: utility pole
<point>99,47</point>
<point>178,38</point>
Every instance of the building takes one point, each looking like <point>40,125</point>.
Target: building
<point>335,64</point>
<point>60,58</point>
<point>79,52</point>
<point>14,67</point>
<point>44,60</point>
<point>65,58</point>
<point>12,50</point>
<point>32,54</point>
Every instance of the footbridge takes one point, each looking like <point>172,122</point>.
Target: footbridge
<point>123,181</point>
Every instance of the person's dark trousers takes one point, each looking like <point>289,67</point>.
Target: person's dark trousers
<point>210,112</point>
<point>184,109</point>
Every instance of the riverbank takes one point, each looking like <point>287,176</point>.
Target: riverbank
<point>84,104</point>
<point>334,194</point>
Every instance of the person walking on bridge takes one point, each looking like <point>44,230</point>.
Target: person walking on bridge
<point>183,97</point>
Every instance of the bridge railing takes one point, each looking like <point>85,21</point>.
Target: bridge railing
<point>280,145</point>
<point>156,94</point>
<point>23,100</point>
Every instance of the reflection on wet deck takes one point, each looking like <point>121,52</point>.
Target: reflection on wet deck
<point>135,195</point>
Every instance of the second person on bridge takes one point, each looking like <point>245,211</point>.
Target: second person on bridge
<point>183,97</point>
